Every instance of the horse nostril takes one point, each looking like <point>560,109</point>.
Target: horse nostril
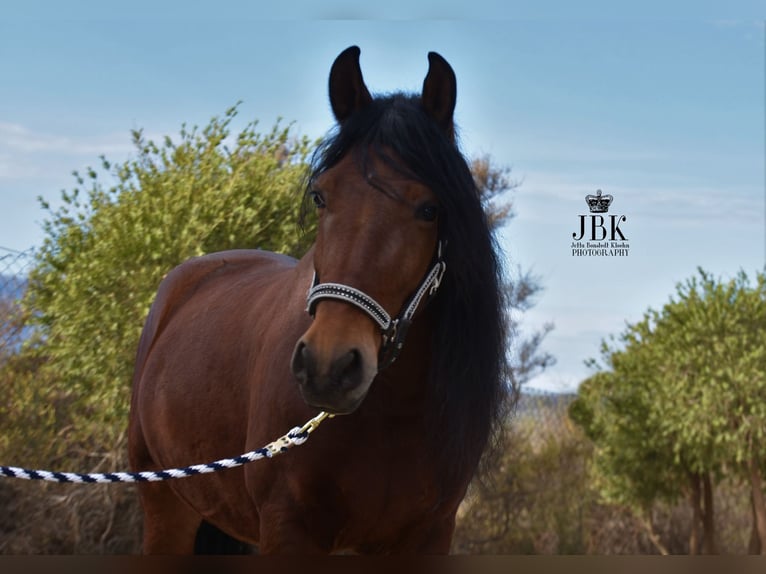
<point>348,369</point>
<point>343,373</point>
<point>303,362</point>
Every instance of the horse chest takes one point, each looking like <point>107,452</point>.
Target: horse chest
<point>387,504</point>
<point>405,495</point>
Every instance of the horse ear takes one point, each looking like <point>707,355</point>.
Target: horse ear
<point>440,93</point>
<point>347,90</point>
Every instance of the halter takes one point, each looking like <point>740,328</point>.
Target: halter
<point>394,330</point>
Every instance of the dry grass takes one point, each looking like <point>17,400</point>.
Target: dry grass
<point>541,502</point>
<point>538,502</point>
<point>48,518</point>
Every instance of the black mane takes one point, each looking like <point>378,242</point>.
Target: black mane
<point>469,369</point>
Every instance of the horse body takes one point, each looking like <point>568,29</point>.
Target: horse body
<point>229,357</point>
<point>231,409</point>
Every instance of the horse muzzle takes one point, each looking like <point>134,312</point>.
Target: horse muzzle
<point>334,380</point>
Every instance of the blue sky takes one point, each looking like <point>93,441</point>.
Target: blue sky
<point>664,113</point>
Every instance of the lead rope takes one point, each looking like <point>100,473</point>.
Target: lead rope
<point>296,436</point>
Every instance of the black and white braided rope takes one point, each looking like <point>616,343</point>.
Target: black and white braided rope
<point>296,436</point>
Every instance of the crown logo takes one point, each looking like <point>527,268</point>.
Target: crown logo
<point>598,203</point>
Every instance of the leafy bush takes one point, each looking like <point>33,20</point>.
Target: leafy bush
<point>108,247</point>
<point>683,404</point>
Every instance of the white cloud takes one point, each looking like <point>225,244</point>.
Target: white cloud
<point>37,158</point>
<point>543,195</point>
<point>573,152</point>
<point>737,23</point>
<point>18,139</point>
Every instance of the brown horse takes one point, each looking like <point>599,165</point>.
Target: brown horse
<point>230,356</point>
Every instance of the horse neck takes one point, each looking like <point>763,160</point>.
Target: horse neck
<point>402,388</point>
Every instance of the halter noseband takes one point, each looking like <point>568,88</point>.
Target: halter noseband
<point>394,330</point>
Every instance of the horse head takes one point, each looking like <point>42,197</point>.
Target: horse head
<point>377,250</point>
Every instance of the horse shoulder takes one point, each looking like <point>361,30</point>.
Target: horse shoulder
<point>183,281</point>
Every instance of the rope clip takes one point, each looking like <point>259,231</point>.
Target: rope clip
<point>314,423</point>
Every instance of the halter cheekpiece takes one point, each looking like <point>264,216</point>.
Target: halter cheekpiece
<point>394,330</point>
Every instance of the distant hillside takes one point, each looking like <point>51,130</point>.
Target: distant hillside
<point>541,412</point>
<point>536,400</point>
<point>12,333</point>
<point>12,287</point>
<point>14,266</point>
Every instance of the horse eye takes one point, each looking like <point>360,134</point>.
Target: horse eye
<point>317,198</point>
<point>427,212</point>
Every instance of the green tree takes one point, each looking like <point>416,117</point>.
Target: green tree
<point>631,465</point>
<point>121,229</point>
<point>684,401</point>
